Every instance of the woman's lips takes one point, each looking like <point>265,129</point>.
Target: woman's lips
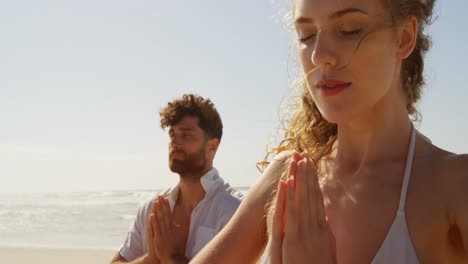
<point>331,87</point>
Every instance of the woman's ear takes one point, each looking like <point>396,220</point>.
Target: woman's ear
<point>407,36</point>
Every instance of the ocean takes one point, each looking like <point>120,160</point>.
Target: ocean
<point>97,220</point>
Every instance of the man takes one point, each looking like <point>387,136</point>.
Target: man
<point>176,224</point>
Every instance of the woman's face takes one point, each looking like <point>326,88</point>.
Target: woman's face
<point>348,52</point>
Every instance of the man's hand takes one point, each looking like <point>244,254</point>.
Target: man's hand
<point>164,243</point>
<point>151,257</point>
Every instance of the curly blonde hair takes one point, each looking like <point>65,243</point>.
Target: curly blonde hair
<point>308,131</point>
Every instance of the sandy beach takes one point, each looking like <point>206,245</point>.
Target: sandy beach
<point>54,256</point>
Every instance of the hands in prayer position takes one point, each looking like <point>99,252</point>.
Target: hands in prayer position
<point>300,231</point>
<point>163,245</point>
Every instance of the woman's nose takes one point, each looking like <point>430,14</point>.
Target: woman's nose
<point>324,56</point>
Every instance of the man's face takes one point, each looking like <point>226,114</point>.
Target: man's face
<point>187,147</point>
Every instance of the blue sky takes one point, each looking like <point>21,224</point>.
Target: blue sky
<point>82,82</point>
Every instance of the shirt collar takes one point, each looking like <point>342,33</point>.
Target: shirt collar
<point>210,181</point>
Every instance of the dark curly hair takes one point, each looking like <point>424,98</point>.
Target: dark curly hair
<point>197,106</point>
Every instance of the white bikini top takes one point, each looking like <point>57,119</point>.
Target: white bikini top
<point>397,246</point>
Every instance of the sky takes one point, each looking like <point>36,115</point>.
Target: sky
<point>82,83</point>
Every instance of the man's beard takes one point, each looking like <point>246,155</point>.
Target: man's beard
<point>190,163</point>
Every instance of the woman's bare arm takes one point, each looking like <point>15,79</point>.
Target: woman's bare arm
<point>243,239</point>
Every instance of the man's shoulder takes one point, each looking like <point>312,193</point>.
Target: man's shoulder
<point>225,191</point>
<point>228,197</point>
<point>232,194</point>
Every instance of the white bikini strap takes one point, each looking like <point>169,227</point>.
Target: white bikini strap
<point>409,165</point>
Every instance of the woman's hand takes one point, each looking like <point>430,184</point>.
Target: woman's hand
<point>300,231</point>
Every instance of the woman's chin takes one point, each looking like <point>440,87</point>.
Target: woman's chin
<point>336,116</point>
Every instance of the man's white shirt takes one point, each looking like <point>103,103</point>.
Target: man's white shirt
<point>209,216</point>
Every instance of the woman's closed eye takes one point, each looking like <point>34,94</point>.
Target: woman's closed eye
<point>352,32</point>
<point>306,36</point>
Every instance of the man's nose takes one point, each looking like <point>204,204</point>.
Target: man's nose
<point>175,142</point>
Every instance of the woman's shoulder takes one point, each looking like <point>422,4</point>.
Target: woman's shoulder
<point>445,177</point>
<point>454,166</point>
<point>445,168</point>
<point>447,163</point>
<point>451,175</point>
<point>442,161</point>
<point>453,178</point>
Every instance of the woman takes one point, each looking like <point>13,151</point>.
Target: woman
<point>354,182</point>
